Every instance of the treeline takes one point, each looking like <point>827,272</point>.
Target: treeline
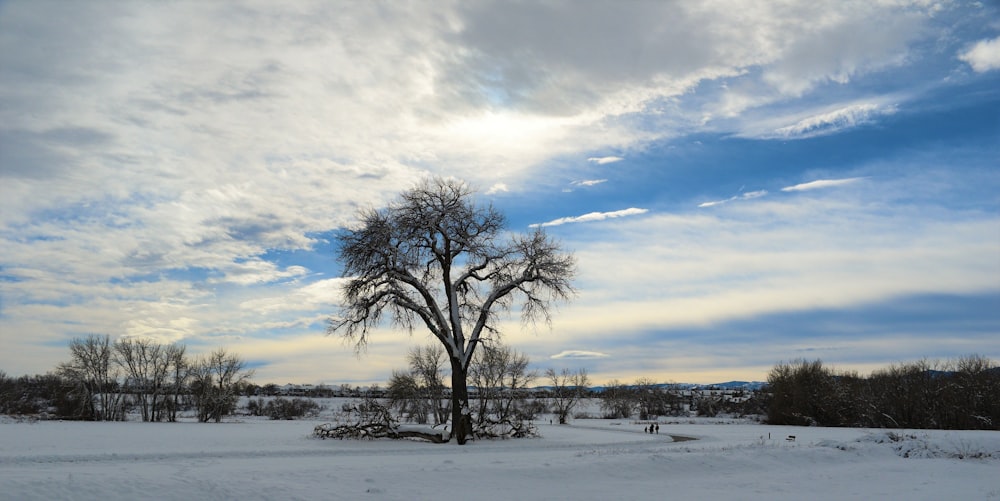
<point>105,381</point>
<point>647,399</point>
<point>963,394</point>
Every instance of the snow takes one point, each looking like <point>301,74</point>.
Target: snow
<point>587,459</point>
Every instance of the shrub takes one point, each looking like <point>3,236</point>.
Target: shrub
<point>283,408</point>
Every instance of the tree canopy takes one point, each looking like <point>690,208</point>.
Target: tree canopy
<point>436,259</point>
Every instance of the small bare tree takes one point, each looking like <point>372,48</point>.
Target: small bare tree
<point>420,391</point>
<point>215,384</point>
<point>617,400</point>
<point>436,259</point>
<point>502,377</point>
<point>568,388</point>
<point>652,399</point>
<point>178,369</point>
<point>404,395</point>
<point>427,365</point>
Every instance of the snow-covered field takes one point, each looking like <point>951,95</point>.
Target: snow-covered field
<point>587,459</point>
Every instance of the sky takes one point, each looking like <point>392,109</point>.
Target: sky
<point>742,183</point>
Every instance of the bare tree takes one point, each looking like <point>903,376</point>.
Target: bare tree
<point>567,389</point>
<point>501,375</point>
<point>148,367</point>
<point>427,364</point>
<point>404,395</point>
<point>617,400</point>
<point>178,368</point>
<point>652,399</point>
<point>420,391</point>
<point>977,384</point>
<point>140,359</point>
<point>95,378</point>
<point>215,384</point>
<point>435,258</point>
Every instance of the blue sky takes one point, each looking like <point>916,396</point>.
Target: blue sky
<point>742,183</point>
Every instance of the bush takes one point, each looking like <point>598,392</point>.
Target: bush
<point>530,410</point>
<point>709,407</point>
<point>45,396</point>
<point>283,408</point>
<point>925,395</point>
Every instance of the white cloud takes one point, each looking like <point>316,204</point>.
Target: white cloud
<point>744,196</point>
<point>822,183</point>
<point>604,160</point>
<point>593,216</point>
<point>983,56</point>
<point>257,271</point>
<point>834,44</point>
<point>497,188</point>
<point>578,354</point>
<point>833,121</point>
<point>713,203</point>
<point>589,182</point>
<point>310,297</point>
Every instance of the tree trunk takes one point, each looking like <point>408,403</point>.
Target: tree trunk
<point>431,437</point>
<point>460,418</point>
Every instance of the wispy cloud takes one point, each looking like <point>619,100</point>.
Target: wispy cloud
<point>589,182</point>
<point>578,354</point>
<point>744,196</point>
<point>822,183</point>
<point>604,160</point>
<point>833,121</point>
<point>592,216</point>
<point>718,266</point>
<point>983,56</point>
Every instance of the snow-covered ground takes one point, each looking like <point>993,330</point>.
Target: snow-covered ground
<point>587,459</point>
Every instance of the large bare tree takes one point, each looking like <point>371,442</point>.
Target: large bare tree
<point>435,258</point>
